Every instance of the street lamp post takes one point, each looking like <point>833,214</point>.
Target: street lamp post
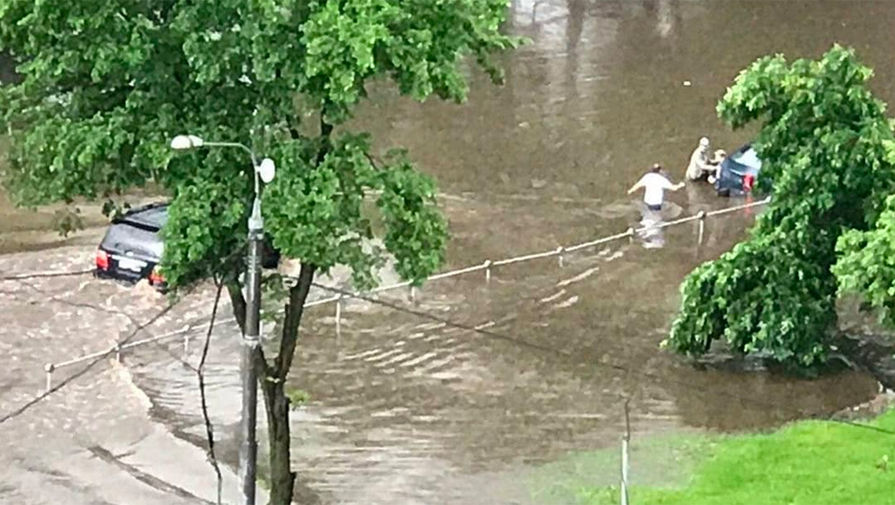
<point>248,449</point>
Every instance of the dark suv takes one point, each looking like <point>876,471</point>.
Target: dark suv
<point>132,247</point>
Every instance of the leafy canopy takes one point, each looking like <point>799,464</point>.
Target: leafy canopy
<point>826,148</point>
<point>106,84</point>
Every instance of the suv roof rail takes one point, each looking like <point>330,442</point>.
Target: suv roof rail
<point>132,216</point>
<point>142,208</point>
<point>153,205</point>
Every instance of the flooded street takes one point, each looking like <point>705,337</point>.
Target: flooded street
<point>412,411</point>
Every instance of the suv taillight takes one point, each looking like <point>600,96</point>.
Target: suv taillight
<point>748,182</point>
<point>102,259</point>
<point>155,277</point>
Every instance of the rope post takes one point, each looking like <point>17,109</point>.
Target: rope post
<point>186,344</point>
<point>625,440</point>
<point>630,232</point>
<point>118,352</point>
<point>701,216</point>
<point>488,271</point>
<point>339,317</point>
<point>412,293</point>
<point>559,251</point>
<point>48,368</point>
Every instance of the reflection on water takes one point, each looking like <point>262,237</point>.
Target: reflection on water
<point>407,411</point>
<point>650,231</point>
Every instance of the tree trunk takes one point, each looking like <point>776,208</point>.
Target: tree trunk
<point>273,384</point>
<point>282,478</point>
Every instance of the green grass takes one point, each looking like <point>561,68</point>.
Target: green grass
<point>810,462</point>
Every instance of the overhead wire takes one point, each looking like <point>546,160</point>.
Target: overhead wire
<point>38,275</point>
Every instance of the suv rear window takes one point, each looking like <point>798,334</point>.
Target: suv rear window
<point>150,218</point>
<point>748,158</point>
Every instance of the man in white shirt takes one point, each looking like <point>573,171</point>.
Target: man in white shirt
<point>654,185</point>
<point>699,166</point>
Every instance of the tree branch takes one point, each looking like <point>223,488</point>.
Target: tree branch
<point>200,374</point>
<point>372,160</point>
<point>238,301</point>
<point>326,129</point>
<point>263,370</point>
<point>294,309</point>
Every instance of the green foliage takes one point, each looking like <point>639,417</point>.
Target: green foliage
<point>825,144</point>
<point>108,83</point>
<point>297,397</point>
<point>68,221</point>
<point>201,220</point>
<point>327,227</point>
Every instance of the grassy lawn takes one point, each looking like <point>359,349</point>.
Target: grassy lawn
<point>811,463</point>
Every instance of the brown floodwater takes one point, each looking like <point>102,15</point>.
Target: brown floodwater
<point>405,410</point>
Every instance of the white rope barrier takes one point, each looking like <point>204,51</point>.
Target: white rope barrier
<point>487,265</point>
<point>390,287</point>
<point>527,257</point>
<point>597,242</point>
<point>461,271</point>
<point>322,301</point>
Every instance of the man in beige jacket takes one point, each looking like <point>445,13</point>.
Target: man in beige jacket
<point>699,167</point>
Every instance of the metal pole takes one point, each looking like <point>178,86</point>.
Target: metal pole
<point>625,440</point>
<point>339,318</point>
<point>248,448</point>
<point>48,368</point>
<point>624,488</point>
<point>701,225</point>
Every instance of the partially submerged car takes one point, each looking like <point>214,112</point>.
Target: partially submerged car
<point>133,247</point>
<point>738,172</point>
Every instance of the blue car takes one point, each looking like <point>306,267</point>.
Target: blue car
<point>738,173</point>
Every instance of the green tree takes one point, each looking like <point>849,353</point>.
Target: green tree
<point>825,143</point>
<point>106,84</point>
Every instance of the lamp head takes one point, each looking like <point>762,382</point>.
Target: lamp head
<point>184,142</point>
<point>267,170</point>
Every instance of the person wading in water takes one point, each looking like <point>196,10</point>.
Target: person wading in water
<point>654,185</point>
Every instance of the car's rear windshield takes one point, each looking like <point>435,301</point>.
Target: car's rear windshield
<point>124,237</point>
<point>747,157</point>
<point>150,218</point>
